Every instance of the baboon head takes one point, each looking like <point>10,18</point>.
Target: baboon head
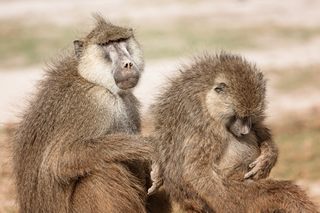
<point>110,56</point>
<point>236,93</point>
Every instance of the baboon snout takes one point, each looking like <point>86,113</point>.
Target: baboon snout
<point>244,129</point>
<point>240,126</point>
<point>127,77</point>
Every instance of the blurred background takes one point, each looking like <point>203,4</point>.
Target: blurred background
<point>281,37</point>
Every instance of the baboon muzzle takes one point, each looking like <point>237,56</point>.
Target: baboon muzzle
<point>127,77</point>
<point>240,126</point>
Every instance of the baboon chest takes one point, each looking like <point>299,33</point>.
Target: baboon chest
<point>125,117</point>
<point>116,113</point>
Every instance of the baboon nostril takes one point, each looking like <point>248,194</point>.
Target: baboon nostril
<point>128,65</point>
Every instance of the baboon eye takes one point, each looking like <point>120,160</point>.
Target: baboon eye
<point>220,88</point>
<point>104,44</point>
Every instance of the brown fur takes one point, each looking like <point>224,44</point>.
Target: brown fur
<point>76,148</point>
<point>105,32</point>
<point>201,162</point>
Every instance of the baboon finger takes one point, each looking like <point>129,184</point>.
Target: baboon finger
<point>250,174</point>
<point>253,164</point>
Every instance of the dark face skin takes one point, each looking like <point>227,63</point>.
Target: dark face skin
<point>239,126</point>
<point>124,68</point>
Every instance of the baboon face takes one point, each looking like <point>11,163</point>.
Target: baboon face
<point>125,68</point>
<point>109,56</point>
<point>237,101</point>
<point>115,64</point>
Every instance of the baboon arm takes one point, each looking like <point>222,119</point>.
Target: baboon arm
<point>65,161</point>
<point>262,166</point>
<point>267,145</point>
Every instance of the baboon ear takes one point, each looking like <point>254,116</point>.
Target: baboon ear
<point>78,47</point>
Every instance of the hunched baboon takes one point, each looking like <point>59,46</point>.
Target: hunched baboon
<point>210,137</point>
<point>76,148</point>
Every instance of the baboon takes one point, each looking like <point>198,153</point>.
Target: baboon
<point>210,140</point>
<point>76,148</point>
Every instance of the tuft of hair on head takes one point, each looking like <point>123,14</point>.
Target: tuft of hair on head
<point>206,67</point>
<point>105,32</point>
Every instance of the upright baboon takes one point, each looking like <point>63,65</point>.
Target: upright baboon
<point>209,133</point>
<point>75,149</point>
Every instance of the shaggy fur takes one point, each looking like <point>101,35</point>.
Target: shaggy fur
<point>76,148</point>
<point>105,32</point>
<point>201,162</point>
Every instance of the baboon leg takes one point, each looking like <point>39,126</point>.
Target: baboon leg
<point>112,190</point>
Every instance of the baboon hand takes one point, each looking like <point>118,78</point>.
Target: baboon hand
<point>156,179</point>
<point>260,168</point>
